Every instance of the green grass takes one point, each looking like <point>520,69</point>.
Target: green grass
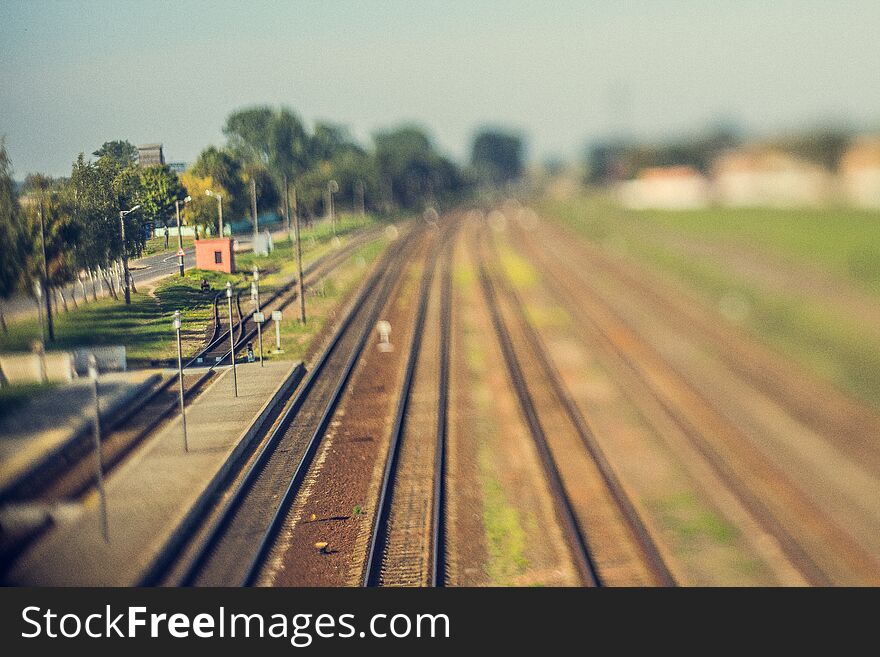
<point>296,338</point>
<point>505,536</point>
<point>157,244</point>
<point>845,243</point>
<point>15,396</point>
<point>144,327</point>
<point>690,521</point>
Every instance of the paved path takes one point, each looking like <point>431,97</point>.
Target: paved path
<point>151,494</point>
<point>51,419</point>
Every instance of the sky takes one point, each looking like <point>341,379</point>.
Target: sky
<point>563,73</point>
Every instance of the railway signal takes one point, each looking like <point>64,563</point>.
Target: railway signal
<point>99,468</point>
<point>177,325</point>
<point>276,317</point>
<point>231,338</point>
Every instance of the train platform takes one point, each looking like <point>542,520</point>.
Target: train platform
<point>46,424</point>
<point>154,495</point>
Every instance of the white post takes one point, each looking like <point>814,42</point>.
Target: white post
<point>99,467</point>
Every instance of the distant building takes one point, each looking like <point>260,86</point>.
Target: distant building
<point>177,167</point>
<point>671,188</point>
<point>859,172</point>
<point>761,177</point>
<point>150,155</point>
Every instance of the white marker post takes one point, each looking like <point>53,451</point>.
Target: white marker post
<point>384,329</point>
<point>276,317</point>
<point>99,467</point>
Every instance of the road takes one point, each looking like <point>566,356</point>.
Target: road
<point>143,271</point>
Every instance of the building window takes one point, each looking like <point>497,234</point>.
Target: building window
<point>218,257</point>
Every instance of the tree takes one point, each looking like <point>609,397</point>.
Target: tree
<point>121,152</point>
<point>224,170</point>
<point>12,238</point>
<point>412,173</point>
<point>158,190</point>
<point>202,212</point>
<point>49,230</point>
<point>248,132</point>
<point>496,156</point>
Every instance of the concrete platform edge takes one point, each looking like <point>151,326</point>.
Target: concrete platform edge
<point>153,573</point>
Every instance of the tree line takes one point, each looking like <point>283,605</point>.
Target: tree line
<point>67,230</point>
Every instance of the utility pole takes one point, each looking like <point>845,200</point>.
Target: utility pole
<point>126,289</point>
<point>254,207</point>
<point>179,230</point>
<point>47,293</point>
<point>299,263</point>
<point>287,206</point>
<point>332,188</point>
<point>359,188</point>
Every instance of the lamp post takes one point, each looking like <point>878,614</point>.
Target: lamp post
<point>179,230</point>
<point>38,292</point>
<point>177,325</point>
<point>219,207</point>
<point>122,214</point>
<point>231,338</point>
<point>99,467</point>
<point>299,261</point>
<point>332,188</point>
<point>49,325</point>
<point>254,208</point>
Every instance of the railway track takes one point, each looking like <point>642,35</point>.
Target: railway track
<point>667,398</point>
<point>547,372</point>
<point>407,541</point>
<point>232,545</point>
<point>565,509</point>
<point>72,477</point>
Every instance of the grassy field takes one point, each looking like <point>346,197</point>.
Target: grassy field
<point>157,244</point>
<point>144,327</point>
<point>840,247</point>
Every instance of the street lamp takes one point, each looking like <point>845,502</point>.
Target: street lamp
<point>99,467</point>
<point>231,337</point>
<point>122,214</point>
<point>219,198</point>
<point>177,325</point>
<point>332,188</point>
<point>49,324</point>
<point>180,231</point>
